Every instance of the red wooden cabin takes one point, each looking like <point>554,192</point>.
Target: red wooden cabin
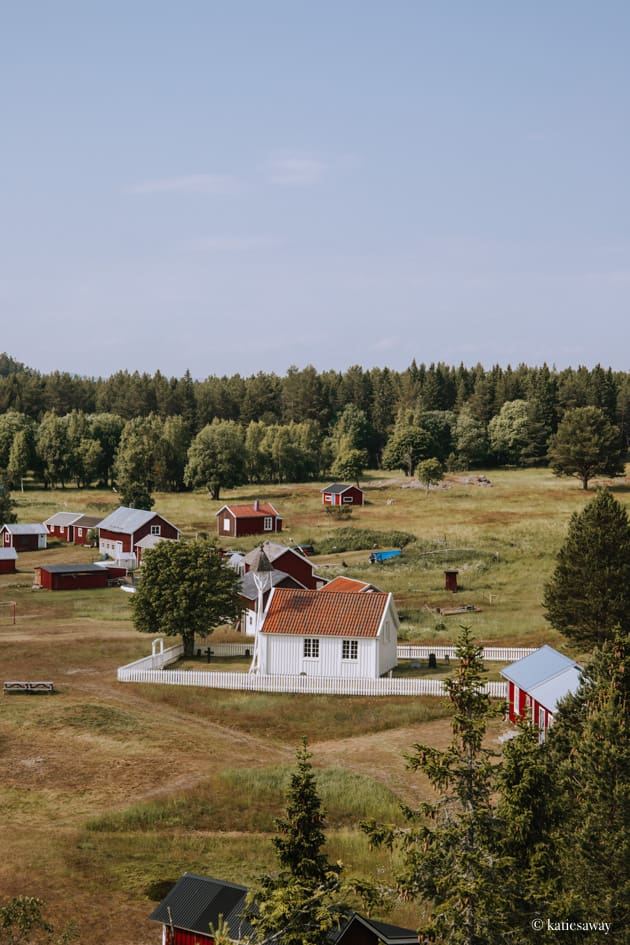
<point>338,493</point>
<point>259,518</point>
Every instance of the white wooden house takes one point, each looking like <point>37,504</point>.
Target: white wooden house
<point>305,632</point>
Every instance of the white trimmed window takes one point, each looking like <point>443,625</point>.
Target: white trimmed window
<point>156,529</point>
<point>311,648</point>
<point>349,649</point>
<point>80,532</point>
<point>268,523</point>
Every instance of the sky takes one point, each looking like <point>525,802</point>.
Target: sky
<point>244,186</point>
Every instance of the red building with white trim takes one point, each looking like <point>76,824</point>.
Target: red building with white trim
<point>537,683</point>
<point>259,518</point>
<point>120,532</point>
<point>338,493</point>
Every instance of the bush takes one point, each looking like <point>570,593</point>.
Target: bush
<point>361,539</point>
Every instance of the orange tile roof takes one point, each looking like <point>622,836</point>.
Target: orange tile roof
<point>249,511</point>
<point>311,613</point>
<point>347,585</point>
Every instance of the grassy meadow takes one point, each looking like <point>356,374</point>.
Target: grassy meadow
<point>110,791</point>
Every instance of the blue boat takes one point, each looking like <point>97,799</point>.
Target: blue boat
<point>378,557</point>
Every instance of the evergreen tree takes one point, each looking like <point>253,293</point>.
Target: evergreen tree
<point>588,595</point>
<point>586,444</point>
<point>451,848</point>
<point>302,903</point>
<point>7,506</point>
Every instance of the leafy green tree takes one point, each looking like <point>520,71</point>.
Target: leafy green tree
<point>407,445</point>
<point>53,449</point>
<point>7,505</point>
<point>302,903</point>
<point>588,595</point>
<point>586,444</point>
<point>186,589</point>
<point>22,922</point>
<point>11,423</point>
<point>451,848</point>
<point>20,456</point>
<point>135,495</point>
<point>430,472</point>
<point>350,465</point>
<point>106,429</point>
<point>471,440</point>
<point>138,454</point>
<point>216,457</point>
<point>509,432</point>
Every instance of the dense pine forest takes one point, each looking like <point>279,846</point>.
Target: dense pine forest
<point>178,433</point>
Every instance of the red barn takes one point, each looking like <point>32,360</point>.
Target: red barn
<point>287,560</point>
<point>235,521</point>
<point>338,493</point>
<point>120,532</point>
<point>537,683</point>
<point>24,537</point>
<point>8,560</point>
<point>197,902</point>
<point>75,577</point>
<point>72,527</point>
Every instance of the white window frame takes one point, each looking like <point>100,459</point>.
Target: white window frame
<point>156,529</point>
<point>310,648</point>
<point>268,523</point>
<point>79,533</point>
<point>350,650</point>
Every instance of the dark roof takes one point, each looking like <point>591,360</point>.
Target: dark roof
<point>71,568</point>
<point>337,487</point>
<point>269,579</point>
<point>195,902</point>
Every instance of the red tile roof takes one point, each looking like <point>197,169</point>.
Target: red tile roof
<point>311,613</point>
<point>250,511</point>
<point>346,585</point>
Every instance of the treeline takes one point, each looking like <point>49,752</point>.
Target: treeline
<point>176,433</point>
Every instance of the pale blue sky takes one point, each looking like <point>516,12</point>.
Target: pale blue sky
<point>241,186</point>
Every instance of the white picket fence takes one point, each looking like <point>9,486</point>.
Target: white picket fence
<point>150,670</point>
<point>404,652</point>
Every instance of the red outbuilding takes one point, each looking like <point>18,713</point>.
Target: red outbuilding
<point>74,577</point>
<point>235,521</point>
<point>8,560</point>
<point>287,560</point>
<point>73,527</point>
<point>24,537</point>
<point>338,493</point>
<point>120,532</point>
<point>537,683</point>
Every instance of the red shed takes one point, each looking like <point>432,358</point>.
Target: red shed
<point>338,493</point>
<point>74,577</point>
<point>256,519</point>
<point>71,526</point>
<point>8,560</point>
<point>537,683</point>
<point>120,532</point>
<point>24,537</point>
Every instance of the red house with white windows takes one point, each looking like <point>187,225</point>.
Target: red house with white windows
<point>338,493</point>
<point>283,558</point>
<point>121,532</point>
<point>537,683</point>
<point>73,527</point>
<point>24,537</point>
<point>259,518</point>
<point>195,903</point>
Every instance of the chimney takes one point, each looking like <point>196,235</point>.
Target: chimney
<point>256,503</point>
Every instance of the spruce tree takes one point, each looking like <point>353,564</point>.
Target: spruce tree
<point>301,903</point>
<point>451,849</point>
<point>589,592</point>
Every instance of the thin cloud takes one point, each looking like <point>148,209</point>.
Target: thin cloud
<point>188,184</point>
<point>296,170</point>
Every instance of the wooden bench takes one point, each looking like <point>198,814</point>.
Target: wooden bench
<point>30,687</point>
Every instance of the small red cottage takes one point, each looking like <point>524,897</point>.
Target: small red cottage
<point>75,577</point>
<point>338,493</point>
<point>197,902</point>
<point>537,683</point>
<point>71,526</point>
<point>120,532</point>
<point>24,537</point>
<point>285,559</point>
<point>8,560</point>
<point>256,519</point>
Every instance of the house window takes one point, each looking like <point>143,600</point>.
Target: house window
<point>347,499</point>
<point>268,523</point>
<point>311,648</point>
<point>349,649</point>
<point>155,529</point>
<point>80,532</point>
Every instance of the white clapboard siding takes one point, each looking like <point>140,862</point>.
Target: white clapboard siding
<point>404,651</point>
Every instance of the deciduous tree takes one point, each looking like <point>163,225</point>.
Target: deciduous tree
<point>186,589</point>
